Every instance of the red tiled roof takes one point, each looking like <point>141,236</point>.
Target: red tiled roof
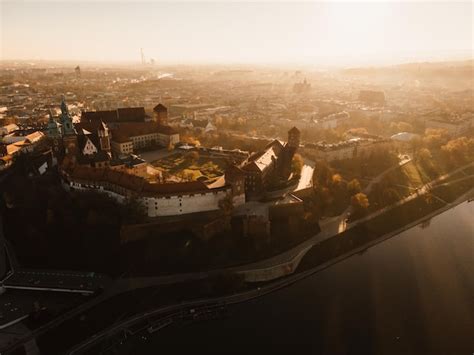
<point>131,114</point>
<point>135,183</point>
<point>96,116</point>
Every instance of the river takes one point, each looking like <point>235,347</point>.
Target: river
<point>412,294</point>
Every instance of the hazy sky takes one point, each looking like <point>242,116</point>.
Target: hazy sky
<point>237,32</point>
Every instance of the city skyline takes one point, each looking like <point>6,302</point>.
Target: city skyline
<point>322,33</point>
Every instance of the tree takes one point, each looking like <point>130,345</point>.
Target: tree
<point>360,203</point>
<point>415,144</point>
<point>424,157</point>
<point>297,164</point>
<point>336,179</point>
<point>401,127</point>
<point>353,186</point>
<point>390,195</point>
<point>434,138</point>
<point>322,173</point>
<point>459,149</point>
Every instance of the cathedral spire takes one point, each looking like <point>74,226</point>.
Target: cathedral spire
<point>64,109</point>
<point>66,119</point>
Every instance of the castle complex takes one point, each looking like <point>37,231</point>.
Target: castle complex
<point>92,152</point>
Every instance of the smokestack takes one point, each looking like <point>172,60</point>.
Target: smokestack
<point>143,56</point>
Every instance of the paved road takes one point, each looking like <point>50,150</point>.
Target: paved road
<point>421,191</point>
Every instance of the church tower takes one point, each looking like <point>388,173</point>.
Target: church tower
<point>104,137</point>
<point>53,128</point>
<point>68,132</point>
<point>66,120</point>
<point>160,113</point>
<point>294,136</point>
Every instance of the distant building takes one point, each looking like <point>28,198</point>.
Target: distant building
<point>346,149</point>
<point>77,71</point>
<point>303,87</point>
<point>454,126</point>
<point>8,129</point>
<point>333,120</point>
<point>26,144</point>
<point>372,97</point>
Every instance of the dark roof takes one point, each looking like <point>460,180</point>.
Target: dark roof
<point>294,130</point>
<point>120,137</point>
<point>95,116</point>
<point>233,172</point>
<point>91,126</point>
<point>130,161</point>
<point>101,156</point>
<point>131,114</point>
<point>82,139</point>
<point>160,108</point>
<point>264,159</point>
<point>277,146</point>
<point>128,114</point>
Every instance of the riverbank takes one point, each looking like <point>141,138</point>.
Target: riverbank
<point>322,255</point>
<point>382,227</point>
<point>311,265</point>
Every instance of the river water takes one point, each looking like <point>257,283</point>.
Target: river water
<point>412,294</point>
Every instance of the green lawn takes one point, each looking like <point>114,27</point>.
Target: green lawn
<point>185,166</point>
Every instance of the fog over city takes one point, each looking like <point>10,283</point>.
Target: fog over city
<point>236,177</point>
<point>318,33</point>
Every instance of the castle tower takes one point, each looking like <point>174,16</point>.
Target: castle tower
<point>53,128</point>
<point>294,136</point>
<point>77,70</point>
<point>160,114</point>
<point>235,177</point>
<point>104,137</point>
<point>68,132</point>
<point>66,120</point>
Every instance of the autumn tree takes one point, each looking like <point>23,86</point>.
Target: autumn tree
<point>434,138</point>
<point>297,164</point>
<point>459,149</point>
<point>360,203</point>
<point>354,187</point>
